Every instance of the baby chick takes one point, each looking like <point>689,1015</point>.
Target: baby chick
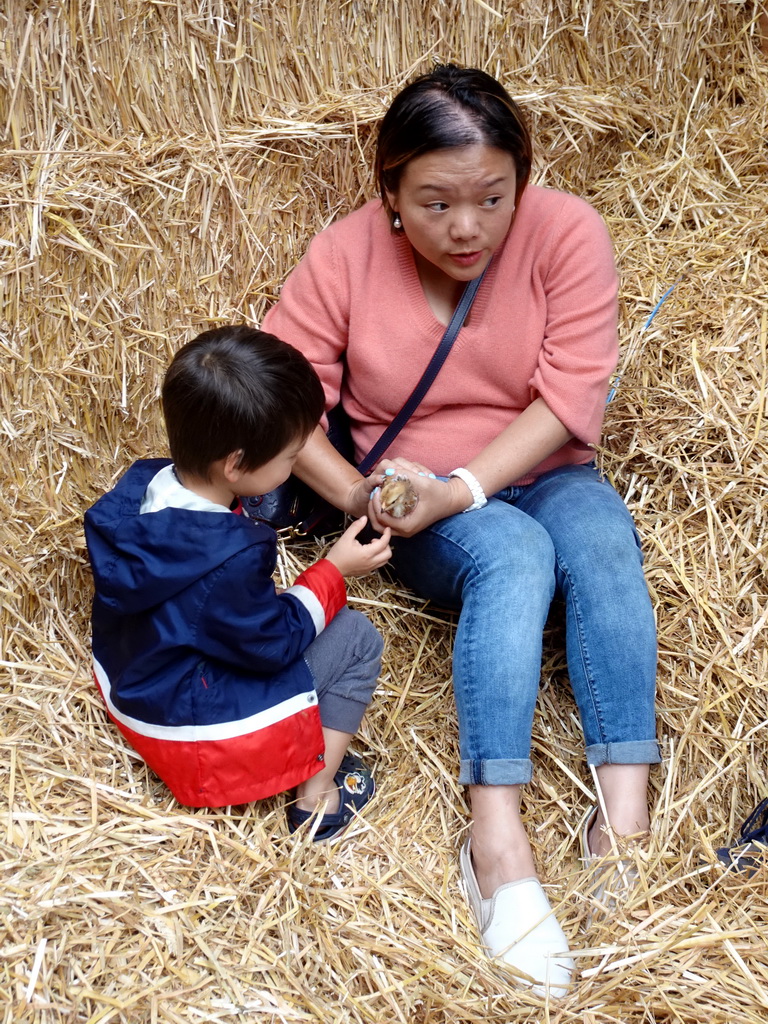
<point>397,496</point>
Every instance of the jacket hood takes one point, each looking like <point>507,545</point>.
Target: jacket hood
<point>129,552</point>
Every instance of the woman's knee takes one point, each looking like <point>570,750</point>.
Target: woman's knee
<point>514,548</point>
<point>496,549</point>
<point>589,523</point>
<point>611,546</point>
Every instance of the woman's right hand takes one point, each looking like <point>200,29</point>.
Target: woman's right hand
<point>359,496</point>
<point>352,558</point>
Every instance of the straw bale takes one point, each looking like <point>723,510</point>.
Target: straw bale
<point>163,165</point>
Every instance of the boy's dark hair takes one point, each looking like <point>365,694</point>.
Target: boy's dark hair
<point>447,108</point>
<point>237,389</point>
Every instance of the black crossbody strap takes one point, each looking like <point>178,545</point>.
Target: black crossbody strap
<point>427,378</point>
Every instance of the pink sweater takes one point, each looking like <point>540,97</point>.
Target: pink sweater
<point>543,324</point>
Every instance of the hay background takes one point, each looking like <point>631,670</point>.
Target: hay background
<point>163,165</point>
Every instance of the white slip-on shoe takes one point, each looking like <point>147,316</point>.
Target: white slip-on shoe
<point>518,926</point>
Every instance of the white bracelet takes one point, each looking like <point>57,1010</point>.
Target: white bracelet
<point>479,499</point>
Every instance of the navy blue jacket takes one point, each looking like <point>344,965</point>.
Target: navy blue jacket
<point>198,658</point>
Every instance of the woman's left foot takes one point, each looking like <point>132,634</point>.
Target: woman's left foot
<point>614,874</point>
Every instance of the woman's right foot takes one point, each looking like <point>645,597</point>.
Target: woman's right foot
<point>500,864</point>
<point>517,925</point>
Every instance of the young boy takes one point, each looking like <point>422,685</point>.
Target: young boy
<point>230,690</point>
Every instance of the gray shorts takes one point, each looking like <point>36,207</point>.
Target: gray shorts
<point>345,661</point>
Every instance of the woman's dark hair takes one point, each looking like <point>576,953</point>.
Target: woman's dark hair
<point>447,108</point>
<point>237,389</point>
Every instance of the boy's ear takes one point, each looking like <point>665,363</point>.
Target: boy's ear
<point>232,471</point>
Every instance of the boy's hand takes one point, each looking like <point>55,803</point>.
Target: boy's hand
<point>352,558</point>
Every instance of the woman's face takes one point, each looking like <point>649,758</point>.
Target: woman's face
<point>456,206</point>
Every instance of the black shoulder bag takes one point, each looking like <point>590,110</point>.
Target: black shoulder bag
<point>295,508</point>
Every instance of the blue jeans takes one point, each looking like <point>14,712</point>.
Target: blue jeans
<point>568,533</point>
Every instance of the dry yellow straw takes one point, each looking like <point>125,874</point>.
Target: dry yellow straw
<point>162,167</point>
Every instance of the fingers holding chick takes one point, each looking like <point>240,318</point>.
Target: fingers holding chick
<point>400,464</point>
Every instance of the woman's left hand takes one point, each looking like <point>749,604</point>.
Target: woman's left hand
<point>406,466</point>
<point>437,499</point>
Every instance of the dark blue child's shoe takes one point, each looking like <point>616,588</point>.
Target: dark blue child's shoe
<point>748,854</point>
<point>356,786</point>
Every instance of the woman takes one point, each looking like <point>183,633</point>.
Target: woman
<point>513,414</point>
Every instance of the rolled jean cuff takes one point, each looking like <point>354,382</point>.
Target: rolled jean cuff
<point>634,752</point>
<point>341,713</point>
<point>495,773</point>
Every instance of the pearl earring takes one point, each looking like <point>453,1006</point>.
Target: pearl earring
<point>397,223</point>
